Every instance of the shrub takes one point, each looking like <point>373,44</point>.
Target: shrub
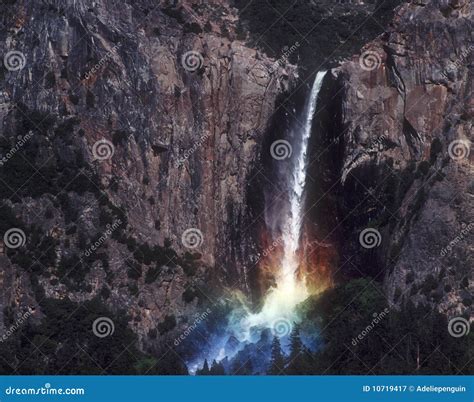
<point>119,137</point>
<point>167,324</point>
<point>423,168</point>
<point>152,274</point>
<point>189,295</point>
<point>134,271</point>
<point>133,289</point>
<point>436,148</point>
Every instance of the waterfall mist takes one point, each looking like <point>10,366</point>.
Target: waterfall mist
<point>284,223</point>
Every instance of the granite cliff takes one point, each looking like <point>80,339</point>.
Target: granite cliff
<point>135,138</point>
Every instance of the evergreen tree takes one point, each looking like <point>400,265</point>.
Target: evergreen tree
<point>296,346</point>
<point>296,361</point>
<point>243,369</point>
<point>204,370</point>
<point>217,369</point>
<point>277,362</point>
<point>418,336</point>
<point>248,368</point>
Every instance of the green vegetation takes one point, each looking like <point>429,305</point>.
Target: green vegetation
<point>119,137</point>
<point>64,343</point>
<point>190,294</point>
<point>167,324</point>
<point>277,362</point>
<point>38,254</point>
<point>436,148</point>
<point>63,170</point>
<point>134,270</point>
<point>215,369</point>
<point>328,27</point>
<point>412,340</point>
<point>361,334</point>
<point>152,274</point>
<point>423,168</point>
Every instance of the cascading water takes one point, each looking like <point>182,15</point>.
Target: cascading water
<point>289,290</point>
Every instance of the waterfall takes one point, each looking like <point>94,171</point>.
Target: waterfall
<point>282,299</point>
<point>278,313</point>
<point>292,230</point>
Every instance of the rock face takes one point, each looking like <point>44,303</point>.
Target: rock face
<point>132,143</point>
<point>142,126</point>
<point>405,122</point>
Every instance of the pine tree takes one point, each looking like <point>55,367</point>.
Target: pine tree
<point>248,368</point>
<point>296,346</point>
<point>277,362</point>
<point>295,359</point>
<point>243,369</point>
<point>204,370</point>
<point>217,369</point>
